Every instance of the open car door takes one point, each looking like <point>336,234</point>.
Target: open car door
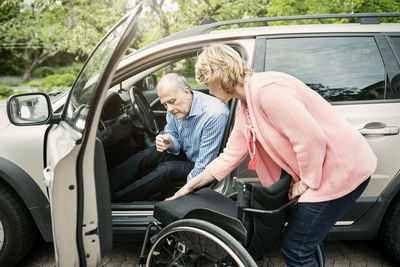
<point>76,172</point>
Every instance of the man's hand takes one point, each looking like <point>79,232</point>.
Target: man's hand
<point>164,142</point>
<point>298,189</point>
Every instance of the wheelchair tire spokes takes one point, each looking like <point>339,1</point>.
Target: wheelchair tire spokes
<point>196,243</point>
<point>186,248</point>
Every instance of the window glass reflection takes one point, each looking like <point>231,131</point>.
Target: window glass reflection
<point>395,81</point>
<point>89,78</point>
<point>338,68</point>
<point>29,109</point>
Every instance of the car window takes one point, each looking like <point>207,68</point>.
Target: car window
<point>395,82</point>
<point>184,66</point>
<point>338,68</point>
<point>396,44</point>
<point>89,77</point>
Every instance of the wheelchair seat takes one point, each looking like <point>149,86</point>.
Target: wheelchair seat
<point>258,232</point>
<point>206,228</point>
<point>205,204</point>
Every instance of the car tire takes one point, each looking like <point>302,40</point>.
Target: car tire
<point>389,234</point>
<point>17,232</point>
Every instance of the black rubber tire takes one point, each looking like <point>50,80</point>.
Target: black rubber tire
<point>19,230</point>
<point>389,234</point>
<point>198,228</point>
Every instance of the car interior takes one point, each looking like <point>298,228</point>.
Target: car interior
<point>133,116</point>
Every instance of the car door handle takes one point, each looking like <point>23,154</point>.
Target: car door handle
<point>378,128</point>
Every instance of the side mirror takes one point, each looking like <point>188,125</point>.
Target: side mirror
<point>29,109</point>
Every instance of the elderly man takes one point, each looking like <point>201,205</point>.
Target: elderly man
<point>191,140</point>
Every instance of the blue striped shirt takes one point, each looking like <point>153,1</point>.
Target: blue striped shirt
<point>199,135</point>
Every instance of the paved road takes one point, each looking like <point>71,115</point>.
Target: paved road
<point>338,254</point>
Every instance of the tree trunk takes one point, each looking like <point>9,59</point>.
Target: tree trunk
<point>32,64</point>
<point>157,8</point>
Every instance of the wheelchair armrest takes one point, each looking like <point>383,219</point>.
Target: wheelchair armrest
<point>254,180</point>
<point>275,211</point>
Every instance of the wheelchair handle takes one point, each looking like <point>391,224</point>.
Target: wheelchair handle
<point>292,201</point>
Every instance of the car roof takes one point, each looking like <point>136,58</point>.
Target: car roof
<point>311,28</point>
<point>210,24</point>
<point>369,23</point>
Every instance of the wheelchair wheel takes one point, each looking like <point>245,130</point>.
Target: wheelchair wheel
<point>192,242</point>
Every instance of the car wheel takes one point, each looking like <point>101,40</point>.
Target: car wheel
<point>17,231</point>
<point>389,235</point>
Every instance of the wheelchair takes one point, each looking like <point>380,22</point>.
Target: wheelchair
<point>205,228</point>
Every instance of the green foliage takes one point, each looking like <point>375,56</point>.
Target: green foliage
<point>8,10</point>
<point>34,31</point>
<point>45,71</point>
<point>13,81</point>
<point>308,7</point>
<point>188,66</point>
<point>9,64</point>
<point>73,68</point>
<point>190,13</point>
<point>186,14</point>
<point>55,82</point>
<point>193,83</point>
<point>19,92</point>
<point>5,91</point>
<point>42,72</point>
<point>34,83</point>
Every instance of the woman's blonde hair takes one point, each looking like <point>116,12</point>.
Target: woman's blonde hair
<point>222,64</point>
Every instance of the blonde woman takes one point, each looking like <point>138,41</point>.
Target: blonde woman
<point>285,125</point>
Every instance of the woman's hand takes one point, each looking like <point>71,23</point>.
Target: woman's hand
<point>298,189</point>
<point>181,192</point>
<point>200,180</point>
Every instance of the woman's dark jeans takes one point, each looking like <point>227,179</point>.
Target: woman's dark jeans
<point>309,224</point>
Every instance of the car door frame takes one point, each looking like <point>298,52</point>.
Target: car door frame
<point>83,247</point>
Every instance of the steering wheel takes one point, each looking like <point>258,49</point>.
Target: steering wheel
<point>143,112</point>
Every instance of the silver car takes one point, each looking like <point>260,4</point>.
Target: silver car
<point>113,111</point>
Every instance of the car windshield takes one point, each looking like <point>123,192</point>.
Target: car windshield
<point>89,78</point>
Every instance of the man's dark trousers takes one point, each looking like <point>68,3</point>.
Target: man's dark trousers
<point>165,169</point>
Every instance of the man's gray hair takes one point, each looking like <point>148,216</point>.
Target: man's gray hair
<point>181,81</point>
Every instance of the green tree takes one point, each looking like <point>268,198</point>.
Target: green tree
<point>9,64</point>
<point>306,7</point>
<point>5,91</point>
<point>179,15</point>
<point>39,30</point>
<point>162,19</point>
<point>193,12</point>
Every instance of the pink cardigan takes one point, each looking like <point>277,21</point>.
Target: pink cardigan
<point>299,132</point>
